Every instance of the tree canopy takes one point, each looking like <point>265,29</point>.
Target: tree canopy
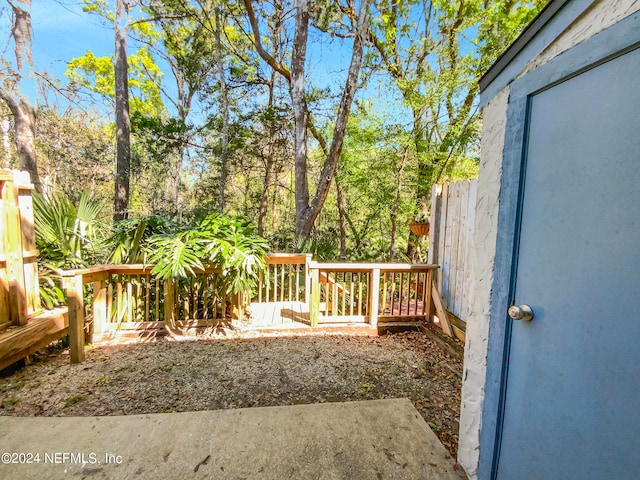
<point>324,123</point>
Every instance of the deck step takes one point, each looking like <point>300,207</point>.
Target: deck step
<point>18,342</point>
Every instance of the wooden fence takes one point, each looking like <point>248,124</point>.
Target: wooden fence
<point>24,326</point>
<point>19,293</point>
<point>451,241</point>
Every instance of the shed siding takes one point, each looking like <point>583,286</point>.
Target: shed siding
<point>483,256</point>
<point>601,15</point>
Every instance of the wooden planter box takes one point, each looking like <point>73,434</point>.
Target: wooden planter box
<point>419,228</point>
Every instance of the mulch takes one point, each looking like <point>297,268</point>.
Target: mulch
<point>246,370</point>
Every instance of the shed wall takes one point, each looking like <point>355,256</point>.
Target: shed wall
<point>601,15</point>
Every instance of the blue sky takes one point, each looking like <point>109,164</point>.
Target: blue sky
<point>62,31</point>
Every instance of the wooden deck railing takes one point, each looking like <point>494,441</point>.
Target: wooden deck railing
<point>130,297</point>
<point>367,292</point>
<point>286,279</point>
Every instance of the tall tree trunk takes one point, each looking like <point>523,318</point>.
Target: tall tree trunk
<point>269,163</point>
<point>342,220</point>
<point>24,118</point>
<point>264,198</point>
<point>24,114</point>
<point>306,215</point>
<point>396,204</point>
<point>300,115</point>
<point>6,148</point>
<point>224,96</point>
<point>123,124</point>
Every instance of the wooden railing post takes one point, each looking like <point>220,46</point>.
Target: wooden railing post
<point>238,305</point>
<point>314,303</point>
<point>374,297</point>
<point>307,280</point>
<point>18,307</point>
<point>428,297</point>
<point>76,317</point>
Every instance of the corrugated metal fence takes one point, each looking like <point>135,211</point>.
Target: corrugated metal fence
<point>451,240</point>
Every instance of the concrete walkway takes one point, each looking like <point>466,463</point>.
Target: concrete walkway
<point>379,439</point>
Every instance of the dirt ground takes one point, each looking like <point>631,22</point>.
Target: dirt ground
<point>166,375</point>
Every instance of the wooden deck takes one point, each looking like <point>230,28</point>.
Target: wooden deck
<point>18,342</point>
<point>278,313</point>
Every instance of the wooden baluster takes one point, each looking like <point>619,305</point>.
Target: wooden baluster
<point>383,307</point>
<point>205,297</point>
<point>282,282</point>
<point>360,293</point>
<point>290,286</point>
<point>187,292</point>
<point>334,296</point>
<point>426,308</point>
<point>344,293</point>
<point>393,292</point>
<point>120,307</point>
<point>314,304</point>
<point>268,282</point>
<point>147,297</point>
<point>307,281</point>
<point>402,292</point>
<point>416,290</point>
<point>129,301</point>
<point>275,282</point>
<point>374,297</point>
<point>138,299</point>
<point>169,302</point>
<point>223,313</point>
<point>196,294</point>
<point>351,293</point>
<point>157,300</point>
<point>110,310</point>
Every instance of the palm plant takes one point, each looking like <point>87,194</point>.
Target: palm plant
<point>66,237</point>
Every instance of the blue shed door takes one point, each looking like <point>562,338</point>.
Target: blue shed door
<point>572,397</point>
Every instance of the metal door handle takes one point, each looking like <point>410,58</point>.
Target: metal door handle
<point>523,312</point>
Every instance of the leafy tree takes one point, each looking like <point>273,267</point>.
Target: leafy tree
<point>307,209</point>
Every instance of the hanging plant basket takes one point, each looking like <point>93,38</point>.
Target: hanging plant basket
<point>419,229</point>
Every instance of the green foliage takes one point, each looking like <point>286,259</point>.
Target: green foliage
<point>178,251</point>
<point>67,237</point>
<point>130,238</point>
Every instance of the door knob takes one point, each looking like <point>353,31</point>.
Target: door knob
<point>523,312</point>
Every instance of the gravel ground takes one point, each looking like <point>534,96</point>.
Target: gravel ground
<point>166,375</point>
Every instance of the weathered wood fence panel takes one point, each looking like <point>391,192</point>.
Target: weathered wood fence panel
<point>451,241</point>
<point>19,291</point>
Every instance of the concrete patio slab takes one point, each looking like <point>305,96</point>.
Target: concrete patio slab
<point>378,439</point>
